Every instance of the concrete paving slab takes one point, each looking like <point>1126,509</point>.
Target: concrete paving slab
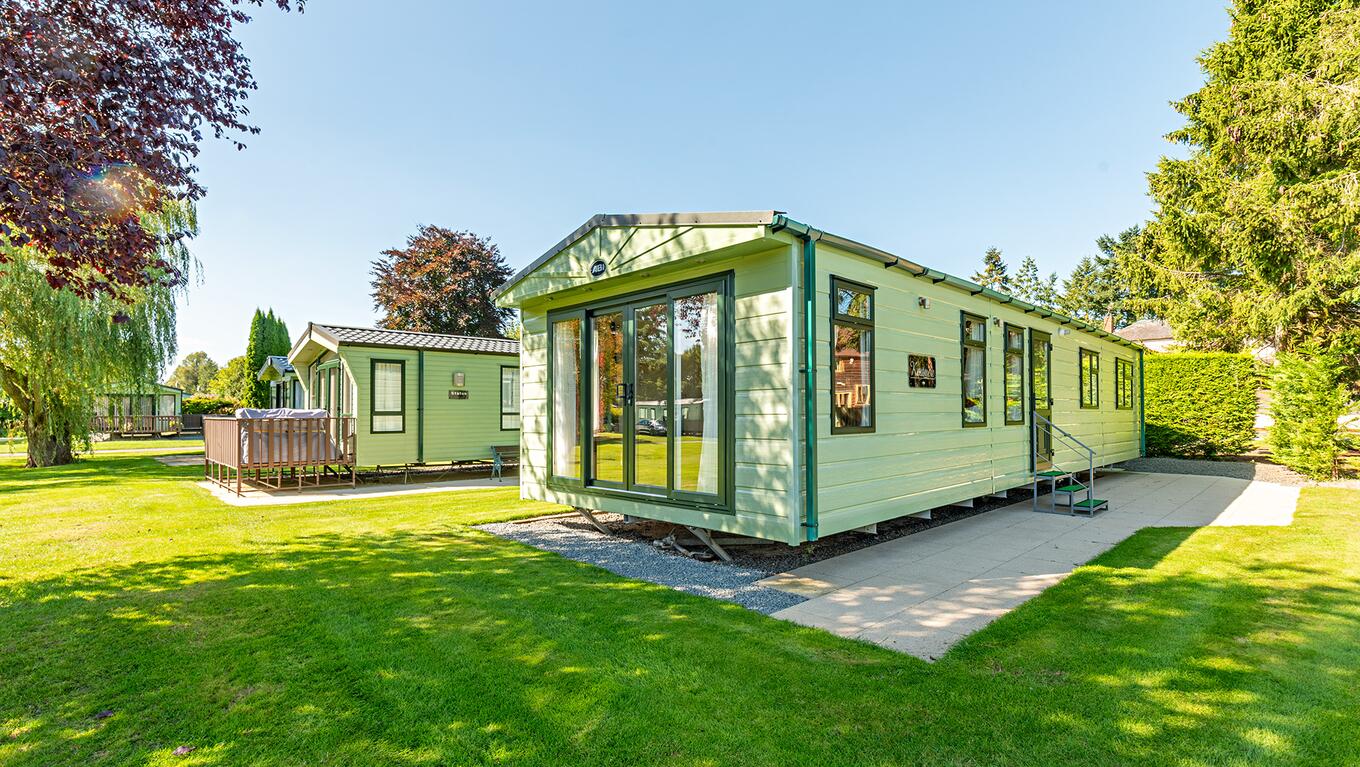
<point>923,593</point>
<point>257,497</point>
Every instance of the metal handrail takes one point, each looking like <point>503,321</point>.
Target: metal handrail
<point>1070,438</point>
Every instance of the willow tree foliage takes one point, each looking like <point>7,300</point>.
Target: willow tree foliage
<point>60,350</point>
<point>1255,232</point>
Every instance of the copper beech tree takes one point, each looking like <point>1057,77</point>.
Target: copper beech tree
<point>442,282</point>
<point>103,104</point>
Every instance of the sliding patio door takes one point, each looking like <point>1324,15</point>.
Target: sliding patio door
<point>657,388</point>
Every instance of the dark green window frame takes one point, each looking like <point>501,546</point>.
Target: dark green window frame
<point>966,343</point>
<point>1089,389</point>
<point>1123,384</point>
<point>373,400</point>
<point>1010,353</point>
<point>861,324</point>
<point>722,283</point>
<point>516,411</point>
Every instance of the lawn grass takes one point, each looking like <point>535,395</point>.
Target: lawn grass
<point>17,446</point>
<point>386,631</point>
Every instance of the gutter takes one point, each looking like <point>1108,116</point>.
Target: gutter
<point>1142,414</point>
<point>420,406</point>
<point>809,236</point>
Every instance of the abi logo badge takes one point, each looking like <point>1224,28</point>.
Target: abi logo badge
<point>598,268</point>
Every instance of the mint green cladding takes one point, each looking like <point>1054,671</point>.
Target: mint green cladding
<point>453,429</point>
<point>918,455</point>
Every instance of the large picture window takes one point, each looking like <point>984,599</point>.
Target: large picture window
<point>509,398</point>
<point>1123,384</point>
<point>1015,375</point>
<point>641,393</point>
<point>1089,378</point>
<point>388,406</point>
<point>973,348</point>
<point>852,357</point>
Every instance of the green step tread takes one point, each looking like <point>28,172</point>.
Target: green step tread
<point>1052,473</point>
<point>1091,503</point>
<point>1070,489</point>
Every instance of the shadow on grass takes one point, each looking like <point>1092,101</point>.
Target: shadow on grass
<point>89,471</point>
<point>452,646</point>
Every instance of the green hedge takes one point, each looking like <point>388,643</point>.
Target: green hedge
<point>208,406</point>
<point>1306,399</point>
<point>1199,404</point>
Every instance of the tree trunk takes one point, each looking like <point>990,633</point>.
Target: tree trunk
<point>46,449</point>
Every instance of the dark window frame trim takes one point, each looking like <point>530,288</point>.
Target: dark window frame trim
<point>966,343</point>
<point>724,283</point>
<point>1006,354</point>
<point>1082,354</point>
<point>373,400</point>
<point>858,323</point>
<point>517,412</point>
<point>1123,375</point>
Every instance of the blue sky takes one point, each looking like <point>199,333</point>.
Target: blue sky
<point>930,130</point>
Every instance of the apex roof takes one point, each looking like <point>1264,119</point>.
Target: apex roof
<point>410,339</point>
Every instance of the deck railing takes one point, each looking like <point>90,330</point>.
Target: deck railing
<point>136,424</point>
<point>272,448</point>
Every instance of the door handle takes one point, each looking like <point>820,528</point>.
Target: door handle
<point>621,394</point>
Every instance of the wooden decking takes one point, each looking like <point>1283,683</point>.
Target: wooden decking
<point>271,451</point>
<point>136,425</point>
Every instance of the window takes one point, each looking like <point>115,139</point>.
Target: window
<point>974,353</point>
<point>388,407</point>
<point>1123,384</point>
<point>1015,375</point>
<point>852,357</point>
<point>641,392</point>
<point>509,398</point>
<point>565,364</point>
<point>1089,378</point>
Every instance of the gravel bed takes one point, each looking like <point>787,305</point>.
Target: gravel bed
<point>634,558</point>
<point>1236,468</point>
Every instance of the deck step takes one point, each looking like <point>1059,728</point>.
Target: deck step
<point>1070,489</point>
<point>1052,473</point>
<point>1091,504</point>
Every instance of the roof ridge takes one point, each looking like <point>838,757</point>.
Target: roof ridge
<point>413,332</point>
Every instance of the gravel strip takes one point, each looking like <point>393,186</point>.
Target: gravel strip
<point>1261,471</point>
<point>644,562</point>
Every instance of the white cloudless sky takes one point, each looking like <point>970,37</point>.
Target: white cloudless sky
<point>931,130</point>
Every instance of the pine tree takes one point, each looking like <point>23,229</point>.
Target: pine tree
<point>1027,284</point>
<point>1256,233</point>
<point>1083,294</point>
<point>254,392</point>
<point>993,274</point>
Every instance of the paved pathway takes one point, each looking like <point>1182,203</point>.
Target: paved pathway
<point>922,593</point>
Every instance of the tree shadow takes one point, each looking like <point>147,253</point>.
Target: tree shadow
<point>452,646</point>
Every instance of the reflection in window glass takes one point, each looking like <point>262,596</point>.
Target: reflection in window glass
<point>651,352</point>
<point>974,353</point>
<point>852,362</point>
<point>696,391</point>
<point>1015,375</point>
<point>606,439</point>
<point>851,379</point>
<point>566,398</point>
<point>1090,378</point>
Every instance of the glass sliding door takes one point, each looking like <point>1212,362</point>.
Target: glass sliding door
<point>657,396</point>
<point>650,395</point>
<point>609,398</point>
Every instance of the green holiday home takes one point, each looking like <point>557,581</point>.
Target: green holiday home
<point>664,376</point>
<point>414,397</point>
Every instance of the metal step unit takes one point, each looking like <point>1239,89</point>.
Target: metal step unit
<point>1067,493</point>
